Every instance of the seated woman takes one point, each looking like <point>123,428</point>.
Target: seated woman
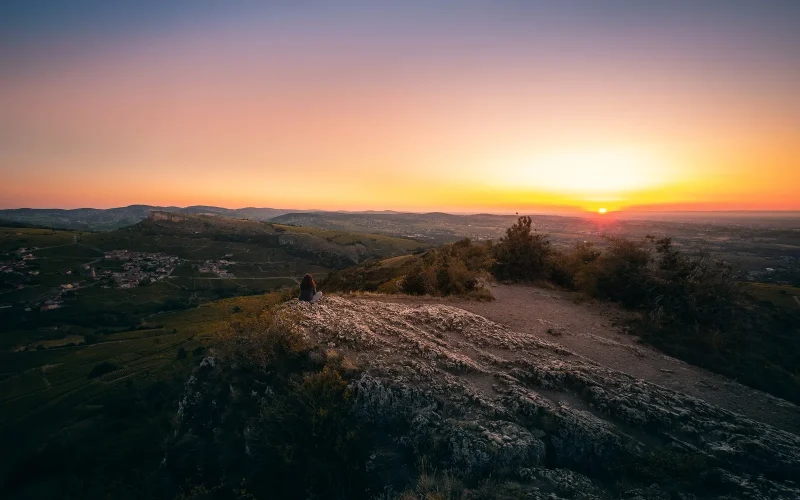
<point>308,290</point>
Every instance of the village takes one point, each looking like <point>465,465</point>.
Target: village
<point>22,272</point>
<point>139,267</point>
<point>24,255</point>
<point>216,267</point>
<point>18,274</point>
<point>121,269</point>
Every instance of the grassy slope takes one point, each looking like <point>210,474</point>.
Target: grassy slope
<point>781,296</point>
<point>268,257</point>
<point>47,396</point>
<point>763,357</point>
<point>380,242</point>
<point>12,238</point>
<point>217,231</point>
<point>115,218</point>
<point>437,228</point>
<point>50,398</point>
<point>370,276</point>
<point>455,269</point>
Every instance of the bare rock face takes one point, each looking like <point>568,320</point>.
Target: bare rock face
<point>485,400</point>
<point>158,215</point>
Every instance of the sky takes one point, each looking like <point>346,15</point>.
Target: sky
<point>463,106</point>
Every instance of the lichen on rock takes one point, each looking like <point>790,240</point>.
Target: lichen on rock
<point>483,399</point>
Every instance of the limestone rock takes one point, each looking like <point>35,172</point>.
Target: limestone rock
<point>483,399</point>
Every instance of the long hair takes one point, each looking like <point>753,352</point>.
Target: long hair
<point>308,282</point>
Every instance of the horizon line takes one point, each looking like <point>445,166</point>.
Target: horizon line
<point>556,211</point>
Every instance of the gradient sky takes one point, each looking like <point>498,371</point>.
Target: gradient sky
<point>465,105</point>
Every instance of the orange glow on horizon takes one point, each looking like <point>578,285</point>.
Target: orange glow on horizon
<point>186,119</point>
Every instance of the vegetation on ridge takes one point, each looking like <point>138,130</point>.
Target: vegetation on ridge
<point>459,268</point>
<point>692,305</point>
<point>267,401</point>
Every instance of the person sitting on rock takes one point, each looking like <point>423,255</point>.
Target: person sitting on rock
<point>308,290</point>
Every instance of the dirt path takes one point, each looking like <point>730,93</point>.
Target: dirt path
<point>487,397</point>
<point>593,330</point>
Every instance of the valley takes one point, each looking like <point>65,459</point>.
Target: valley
<point>95,281</point>
<point>102,329</point>
<point>765,246</point>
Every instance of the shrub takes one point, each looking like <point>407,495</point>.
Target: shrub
<point>264,340</point>
<point>431,484</point>
<point>308,437</point>
<point>671,287</point>
<point>620,273</point>
<point>522,255</point>
<point>434,485</point>
<point>692,306</point>
<point>218,492</point>
<point>453,277</point>
<point>694,290</point>
<point>475,256</point>
<point>454,269</point>
<point>420,280</point>
<point>394,285</point>
<point>569,268</point>
<point>270,416</point>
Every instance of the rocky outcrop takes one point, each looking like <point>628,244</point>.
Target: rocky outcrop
<point>488,401</point>
<point>158,215</point>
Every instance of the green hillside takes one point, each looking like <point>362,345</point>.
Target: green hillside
<point>332,248</point>
<point>60,402</point>
<point>90,389</point>
<point>100,282</point>
<point>100,330</point>
<point>94,219</point>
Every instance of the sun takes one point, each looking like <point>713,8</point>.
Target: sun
<point>602,211</point>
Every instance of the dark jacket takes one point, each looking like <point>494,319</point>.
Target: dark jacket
<point>307,293</point>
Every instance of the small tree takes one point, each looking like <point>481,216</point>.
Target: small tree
<point>695,290</point>
<point>521,255</point>
<point>621,273</point>
<point>420,280</point>
<point>569,268</point>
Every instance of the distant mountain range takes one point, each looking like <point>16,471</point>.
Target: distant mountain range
<point>432,227</point>
<point>99,219</point>
<point>96,219</point>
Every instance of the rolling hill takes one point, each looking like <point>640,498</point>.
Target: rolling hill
<point>434,227</point>
<point>95,219</point>
<point>99,281</point>
<point>325,247</point>
<point>535,394</point>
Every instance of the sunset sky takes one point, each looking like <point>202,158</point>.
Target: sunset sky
<point>464,105</point>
